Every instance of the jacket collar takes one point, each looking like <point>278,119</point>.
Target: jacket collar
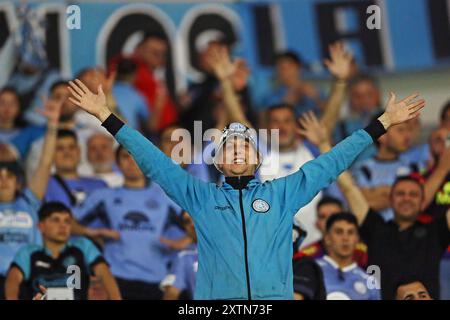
<point>239,182</point>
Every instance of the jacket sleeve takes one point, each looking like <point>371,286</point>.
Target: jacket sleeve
<point>184,189</point>
<point>300,187</point>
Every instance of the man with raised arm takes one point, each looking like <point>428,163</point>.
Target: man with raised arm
<point>404,246</point>
<point>244,227</point>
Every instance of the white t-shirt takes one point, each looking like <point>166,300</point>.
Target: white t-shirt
<point>289,162</point>
<point>112,179</point>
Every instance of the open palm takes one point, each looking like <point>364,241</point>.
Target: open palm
<point>403,110</point>
<point>340,61</point>
<point>312,129</point>
<point>95,104</point>
<point>51,110</point>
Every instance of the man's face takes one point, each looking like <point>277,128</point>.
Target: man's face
<point>9,107</point>
<point>167,145</point>
<point>437,142</point>
<point>67,154</point>
<point>287,70</point>
<point>284,120</point>
<point>239,158</point>
<point>188,224</point>
<point>364,97</point>
<point>100,152</point>
<point>341,239</point>
<point>128,166</point>
<point>93,78</point>
<point>324,212</point>
<point>398,138</point>
<point>413,291</point>
<point>8,185</point>
<point>61,94</point>
<point>153,52</point>
<point>406,200</point>
<point>57,227</point>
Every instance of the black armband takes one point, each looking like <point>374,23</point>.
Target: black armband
<point>112,124</point>
<point>375,129</point>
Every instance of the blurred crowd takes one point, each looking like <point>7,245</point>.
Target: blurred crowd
<point>70,195</point>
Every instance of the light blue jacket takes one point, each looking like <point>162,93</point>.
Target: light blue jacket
<point>224,271</point>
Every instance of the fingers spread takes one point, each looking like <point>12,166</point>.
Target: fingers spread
<point>76,88</point>
<point>82,86</point>
<point>73,93</point>
<point>410,98</point>
<point>416,107</point>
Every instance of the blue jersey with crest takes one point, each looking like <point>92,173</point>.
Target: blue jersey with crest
<point>141,216</point>
<point>349,283</point>
<point>219,212</point>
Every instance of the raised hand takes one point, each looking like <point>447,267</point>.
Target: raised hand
<point>312,129</point>
<point>340,61</point>
<point>95,104</point>
<point>220,62</point>
<point>51,110</point>
<point>401,111</point>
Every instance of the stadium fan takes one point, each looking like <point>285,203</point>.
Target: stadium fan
<point>234,245</point>
<point>364,102</point>
<point>67,185</point>
<point>48,265</point>
<point>179,283</point>
<point>291,88</point>
<point>140,213</point>
<point>68,120</point>
<point>220,77</point>
<point>327,207</point>
<point>293,151</point>
<point>437,194</point>
<point>344,280</point>
<point>12,129</point>
<point>150,56</point>
<point>401,245</point>
<point>131,104</point>
<point>411,288</point>
<point>376,175</point>
<point>20,201</point>
<point>100,154</point>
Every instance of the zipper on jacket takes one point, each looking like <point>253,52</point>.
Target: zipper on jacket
<point>244,231</point>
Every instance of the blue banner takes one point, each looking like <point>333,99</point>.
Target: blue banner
<point>385,35</point>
